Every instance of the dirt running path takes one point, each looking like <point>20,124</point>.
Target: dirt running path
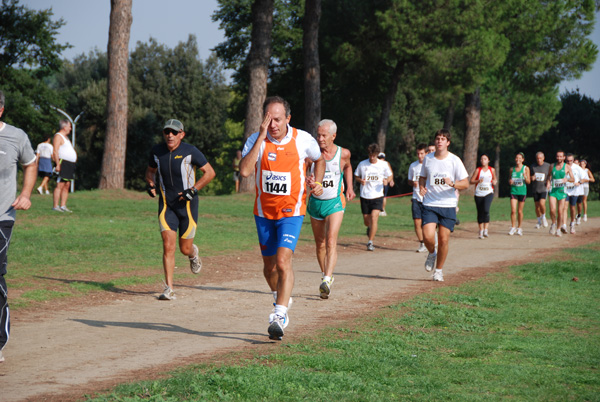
<point>69,353</point>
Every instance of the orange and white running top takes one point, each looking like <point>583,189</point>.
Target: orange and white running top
<point>280,173</point>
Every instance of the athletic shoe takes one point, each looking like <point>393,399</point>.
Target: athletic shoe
<point>325,288</point>
<point>47,192</point>
<point>65,209</point>
<point>538,225</point>
<point>422,248</point>
<point>382,213</point>
<point>57,209</point>
<point>553,229</point>
<point>578,219</point>
<point>39,189</point>
<point>195,262</point>
<point>481,235</point>
<point>290,302</point>
<point>520,232</point>
<point>558,233</point>
<point>564,229</point>
<point>430,262</point>
<point>1,357</point>
<point>485,233</point>
<point>544,221</point>
<point>512,231</point>
<point>370,246</point>
<point>585,217</point>
<point>276,325</point>
<point>438,276</point>
<point>572,228</point>
<point>167,294</point>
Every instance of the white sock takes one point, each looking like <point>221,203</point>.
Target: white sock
<point>281,310</point>
<point>438,271</point>
<point>275,296</point>
<point>327,278</point>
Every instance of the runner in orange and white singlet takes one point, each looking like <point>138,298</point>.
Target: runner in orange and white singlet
<point>277,156</point>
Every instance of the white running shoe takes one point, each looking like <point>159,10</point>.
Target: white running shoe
<point>47,192</point>
<point>558,233</point>
<point>438,276</point>
<point>572,228</point>
<point>430,262</point>
<point>195,262</point>
<point>65,209</point>
<point>585,217</point>
<point>276,325</point>
<point>382,213</point>
<point>485,233</point>
<point>422,248</point>
<point>39,189</point>
<point>563,228</point>
<point>544,221</point>
<point>512,231</point>
<point>167,294</point>
<point>57,209</point>
<point>1,357</point>
<point>520,232</point>
<point>370,246</point>
<point>538,225</point>
<point>578,219</point>
<point>553,229</point>
<point>325,288</point>
<point>481,234</point>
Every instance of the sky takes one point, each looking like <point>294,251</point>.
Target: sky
<point>171,22</point>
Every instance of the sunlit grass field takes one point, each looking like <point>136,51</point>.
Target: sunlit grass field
<point>112,239</point>
<point>527,335</point>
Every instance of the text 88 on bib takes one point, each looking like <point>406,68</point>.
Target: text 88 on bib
<point>439,178</point>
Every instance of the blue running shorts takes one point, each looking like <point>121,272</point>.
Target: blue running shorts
<point>273,234</point>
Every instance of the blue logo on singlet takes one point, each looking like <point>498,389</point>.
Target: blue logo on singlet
<point>275,177</point>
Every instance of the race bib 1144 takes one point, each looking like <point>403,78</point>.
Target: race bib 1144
<point>277,183</point>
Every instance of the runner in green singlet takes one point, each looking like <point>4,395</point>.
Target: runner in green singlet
<point>519,178</point>
<point>558,175</point>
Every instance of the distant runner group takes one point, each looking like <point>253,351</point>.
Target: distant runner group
<point>296,173</point>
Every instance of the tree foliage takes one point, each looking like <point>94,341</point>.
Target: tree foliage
<point>29,55</point>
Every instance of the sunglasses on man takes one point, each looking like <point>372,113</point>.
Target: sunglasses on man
<point>170,131</point>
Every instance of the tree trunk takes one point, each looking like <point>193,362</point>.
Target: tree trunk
<point>258,66</point>
<point>312,68</point>
<point>473,124</point>
<point>390,97</point>
<point>497,168</point>
<point>115,144</point>
<point>449,117</point>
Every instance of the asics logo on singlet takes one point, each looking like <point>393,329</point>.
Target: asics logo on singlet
<point>178,156</point>
<point>280,148</point>
<point>275,177</point>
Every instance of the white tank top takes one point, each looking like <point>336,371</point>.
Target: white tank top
<point>66,151</point>
<point>333,180</point>
<point>485,188</point>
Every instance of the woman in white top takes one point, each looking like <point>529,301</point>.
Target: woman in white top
<point>586,185</point>
<point>484,179</point>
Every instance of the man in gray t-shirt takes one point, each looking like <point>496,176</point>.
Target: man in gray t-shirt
<point>539,173</point>
<point>14,148</point>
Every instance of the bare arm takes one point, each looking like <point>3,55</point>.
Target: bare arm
<point>23,201</point>
<point>150,176</point>
<point>474,179</point>
<point>591,176</point>
<point>526,175</point>
<point>510,180</point>
<point>347,169</point>
<point>320,166</point>
<point>208,173</point>
<point>57,141</point>
<point>248,162</point>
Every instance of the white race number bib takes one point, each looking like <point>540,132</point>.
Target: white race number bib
<point>517,182</point>
<point>277,183</point>
<point>540,176</point>
<point>438,179</point>
<point>558,183</point>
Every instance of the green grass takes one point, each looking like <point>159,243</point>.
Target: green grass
<point>112,240</point>
<point>530,334</point>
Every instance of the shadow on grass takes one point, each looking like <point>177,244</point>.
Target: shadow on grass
<point>105,286</point>
<point>162,327</point>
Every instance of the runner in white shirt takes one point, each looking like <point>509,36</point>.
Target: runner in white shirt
<point>574,191</point>
<point>484,179</point>
<point>414,171</point>
<point>586,185</point>
<point>372,174</point>
<point>441,175</point>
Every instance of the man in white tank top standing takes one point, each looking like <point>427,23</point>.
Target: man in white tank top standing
<point>64,157</point>
<point>327,210</point>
